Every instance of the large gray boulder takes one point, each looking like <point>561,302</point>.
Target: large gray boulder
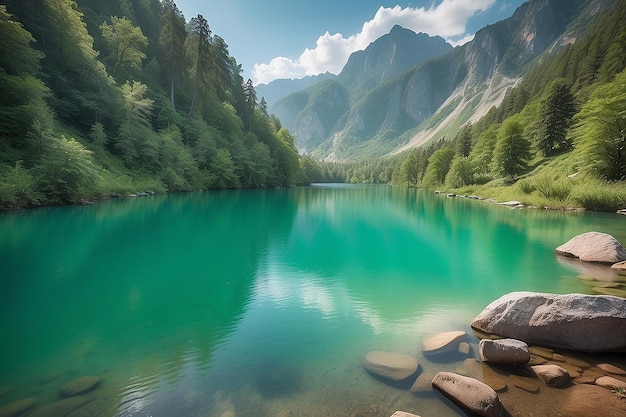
<point>593,323</point>
<point>593,247</point>
<point>469,394</point>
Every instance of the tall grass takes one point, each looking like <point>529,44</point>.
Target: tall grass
<point>600,196</point>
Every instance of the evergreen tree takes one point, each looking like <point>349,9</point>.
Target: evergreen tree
<point>172,42</point>
<point>557,111</point>
<point>201,56</point>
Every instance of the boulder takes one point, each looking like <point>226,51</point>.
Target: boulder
<point>394,366</point>
<point>552,375</point>
<point>593,247</point>
<point>593,323</point>
<point>443,342</point>
<point>469,394</point>
<point>503,351</point>
<point>80,385</point>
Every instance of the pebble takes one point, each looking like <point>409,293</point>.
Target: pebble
<point>612,369</point>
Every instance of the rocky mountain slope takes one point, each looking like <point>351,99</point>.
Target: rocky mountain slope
<point>406,89</point>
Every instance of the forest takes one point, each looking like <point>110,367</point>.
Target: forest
<point>105,98</point>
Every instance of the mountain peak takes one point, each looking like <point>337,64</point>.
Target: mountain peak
<point>390,55</point>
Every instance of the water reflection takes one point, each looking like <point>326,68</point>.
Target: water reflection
<point>259,302</point>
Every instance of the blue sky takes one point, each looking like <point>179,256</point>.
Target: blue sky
<point>293,38</point>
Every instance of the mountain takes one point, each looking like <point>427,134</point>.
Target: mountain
<point>277,89</point>
<point>391,100</point>
<point>312,114</point>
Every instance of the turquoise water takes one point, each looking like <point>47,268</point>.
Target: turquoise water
<point>260,303</point>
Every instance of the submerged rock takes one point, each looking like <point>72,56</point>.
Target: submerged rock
<point>59,408</point>
<point>593,323</point>
<point>504,351</point>
<point>611,383</point>
<point>17,407</point>
<point>80,385</point>
<point>403,414</point>
<point>552,375</point>
<point>390,365</point>
<point>443,342</point>
<point>593,247</point>
<point>612,369</point>
<point>470,394</point>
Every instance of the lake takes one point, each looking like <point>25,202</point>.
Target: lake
<point>261,302</point>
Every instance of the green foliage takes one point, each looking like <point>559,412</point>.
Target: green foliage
<point>557,110</point>
<point>482,153</point>
<point>312,171</point>
<point>66,171</point>
<point>439,164</point>
<point>601,130</point>
<point>17,187</point>
<point>512,151</point>
<point>126,44</point>
<point>460,173</point>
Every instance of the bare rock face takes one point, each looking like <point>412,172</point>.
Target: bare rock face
<point>594,247</point>
<point>504,351</point>
<point>470,394</point>
<point>593,323</point>
<point>394,366</point>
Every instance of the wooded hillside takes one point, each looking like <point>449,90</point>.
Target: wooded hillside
<point>101,98</point>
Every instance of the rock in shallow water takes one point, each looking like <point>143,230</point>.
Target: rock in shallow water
<point>593,247</point>
<point>504,351</point>
<point>390,365</point>
<point>17,407</point>
<point>552,375</point>
<point>443,342</point>
<point>593,323</point>
<point>470,394</point>
<point>80,385</point>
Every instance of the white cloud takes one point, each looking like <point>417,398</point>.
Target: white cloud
<point>331,52</point>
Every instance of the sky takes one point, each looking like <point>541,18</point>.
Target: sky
<point>293,38</point>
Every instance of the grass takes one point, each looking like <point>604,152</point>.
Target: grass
<point>555,183</point>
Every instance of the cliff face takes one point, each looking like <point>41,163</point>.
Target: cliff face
<point>381,100</point>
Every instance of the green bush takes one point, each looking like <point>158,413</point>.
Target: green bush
<point>17,187</point>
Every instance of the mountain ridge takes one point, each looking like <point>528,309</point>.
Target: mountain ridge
<point>468,80</point>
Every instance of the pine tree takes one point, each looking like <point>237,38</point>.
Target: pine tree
<point>557,111</point>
